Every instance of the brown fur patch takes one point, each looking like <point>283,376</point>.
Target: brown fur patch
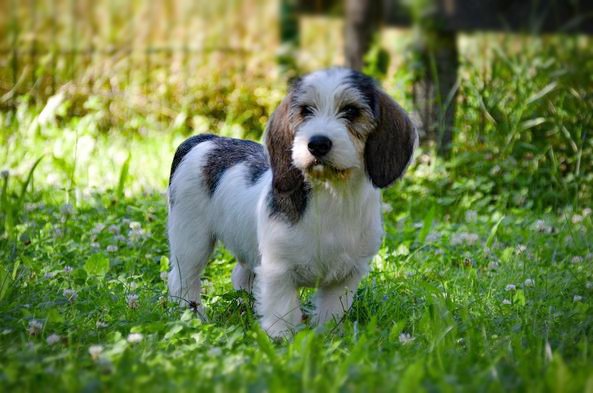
<point>288,197</point>
<point>278,139</point>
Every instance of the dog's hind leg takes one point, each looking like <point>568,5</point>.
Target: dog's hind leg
<point>191,245</point>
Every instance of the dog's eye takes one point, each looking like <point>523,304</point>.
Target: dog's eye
<point>306,110</point>
<point>350,112</point>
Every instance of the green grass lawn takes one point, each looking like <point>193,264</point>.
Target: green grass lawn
<point>470,291</point>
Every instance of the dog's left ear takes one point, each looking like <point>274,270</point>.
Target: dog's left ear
<point>390,146</point>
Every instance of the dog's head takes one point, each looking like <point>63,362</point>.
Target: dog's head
<point>334,122</point>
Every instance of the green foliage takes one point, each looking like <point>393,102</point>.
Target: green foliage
<point>526,115</point>
<point>97,265</point>
<point>484,281</point>
<point>465,293</point>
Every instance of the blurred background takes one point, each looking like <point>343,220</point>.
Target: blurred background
<point>501,90</point>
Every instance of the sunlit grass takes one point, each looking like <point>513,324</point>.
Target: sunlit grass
<point>463,294</point>
<point>484,281</point>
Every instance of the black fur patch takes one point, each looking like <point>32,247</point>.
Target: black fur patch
<point>229,152</point>
<point>185,147</point>
<point>367,87</point>
<point>289,206</point>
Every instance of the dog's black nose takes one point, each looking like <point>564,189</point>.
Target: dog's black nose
<point>319,145</point>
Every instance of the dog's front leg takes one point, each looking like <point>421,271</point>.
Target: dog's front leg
<point>331,302</point>
<point>277,300</point>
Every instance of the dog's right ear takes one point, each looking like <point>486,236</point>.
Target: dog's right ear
<point>278,139</point>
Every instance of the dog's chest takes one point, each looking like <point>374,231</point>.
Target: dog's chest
<point>335,239</point>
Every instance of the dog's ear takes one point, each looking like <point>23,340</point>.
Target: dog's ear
<point>390,146</point>
<point>278,139</point>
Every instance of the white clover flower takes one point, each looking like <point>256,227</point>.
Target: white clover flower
<point>406,338</point>
<point>49,275</point>
<point>464,238</point>
<point>68,269</point>
<point>114,229</point>
<point>471,238</point>
<point>98,228</point>
<point>29,207</point>
<point>70,295</point>
<point>529,282</point>
<point>35,327</point>
<point>67,209</point>
<point>111,248</point>
<point>510,287</point>
<point>520,249</point>
<point>577,219</point>
<point>541,226</point>
<point>95,245</point>
<point>471,216</point>
<point>4,174</point>
<point>95,351</point>
<point>135,234</point>
<point>587,211</point>
<point>132,301</point>
<point>53,339</point>
<point>120,238</point>
<point>576,259</point>
<point>433,237</point>
<point>164,276</point>
<point>506,302</point>
<point>134,338</point>
<point>493,265</point>
<point>101,325</point>
<point>135,225</point>
<point>589,285</point>
<point>577,298</point>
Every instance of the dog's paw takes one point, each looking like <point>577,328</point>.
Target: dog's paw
<point>278,329</point>
<point>182,292</point>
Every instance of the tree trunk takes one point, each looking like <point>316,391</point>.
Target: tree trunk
<point>435,87</point>
<point>363,19</point>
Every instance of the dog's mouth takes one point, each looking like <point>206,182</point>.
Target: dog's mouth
<point>325,171</point>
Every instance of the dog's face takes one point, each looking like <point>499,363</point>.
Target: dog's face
<point>334,122</point>
<point>332,117</point>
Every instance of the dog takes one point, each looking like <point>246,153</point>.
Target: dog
<point>304,210</point>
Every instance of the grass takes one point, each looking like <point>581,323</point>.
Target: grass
<point>463,295</point>
<point>484,281</point>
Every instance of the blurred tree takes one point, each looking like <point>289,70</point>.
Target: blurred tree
<point>289,37</point>
<point>363,21</point>
<point>434,68</point>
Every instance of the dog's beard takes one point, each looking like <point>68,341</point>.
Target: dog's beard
<point>323,171</point>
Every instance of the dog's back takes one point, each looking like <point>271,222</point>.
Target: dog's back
<point>214,187</point>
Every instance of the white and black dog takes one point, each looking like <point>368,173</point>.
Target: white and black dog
<point>302,211</point>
